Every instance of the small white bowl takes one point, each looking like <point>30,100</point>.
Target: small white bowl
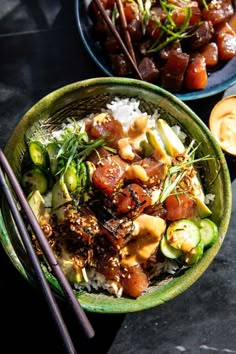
<point>222,123</point>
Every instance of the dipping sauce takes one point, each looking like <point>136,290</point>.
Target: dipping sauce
<point>222,123</point>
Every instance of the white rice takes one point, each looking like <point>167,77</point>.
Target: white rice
<point>96,281</point>
<point>209,198</point>
<point>126,110</point>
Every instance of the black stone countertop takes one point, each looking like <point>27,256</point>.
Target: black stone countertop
<point>40,50</point>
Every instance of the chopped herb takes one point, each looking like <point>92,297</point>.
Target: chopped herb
<point>177,172</point>
<point>74,145</point>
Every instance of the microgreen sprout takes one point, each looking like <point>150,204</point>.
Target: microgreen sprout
<point>74,145</point>
<point>177,172</point>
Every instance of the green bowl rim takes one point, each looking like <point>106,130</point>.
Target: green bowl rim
<point>177,285</point>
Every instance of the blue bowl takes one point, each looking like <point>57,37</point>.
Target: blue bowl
<point>218,81</point>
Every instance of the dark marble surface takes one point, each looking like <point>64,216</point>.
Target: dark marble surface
<point>40,50</point>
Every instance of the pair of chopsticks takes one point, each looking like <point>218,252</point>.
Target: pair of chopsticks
<point>129,53</point>
<point>26,239</point>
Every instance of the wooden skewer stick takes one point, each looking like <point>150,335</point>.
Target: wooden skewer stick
<point>125,30</point>
<point>117,36</point>
<point>64,283</point>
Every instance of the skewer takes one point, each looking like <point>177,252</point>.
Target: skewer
<point>26,239</point>
<point>125,30</point>
<point>117,36</point>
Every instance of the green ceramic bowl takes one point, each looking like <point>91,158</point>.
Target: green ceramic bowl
<point>78,100</point>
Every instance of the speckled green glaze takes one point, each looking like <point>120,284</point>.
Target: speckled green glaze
<point>81,98</point>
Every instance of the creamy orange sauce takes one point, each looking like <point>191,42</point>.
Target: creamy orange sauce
<point>223,124</point>
<point>147,234</point>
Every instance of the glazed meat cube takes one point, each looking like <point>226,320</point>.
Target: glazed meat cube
<point>131,200</point>
<point>210,53</point>
<point>179,15</point>
<point>106,124</point>
<point>144,46</point>
<point>131,11</point>
<point>109,174</point>
<point>156,14</point>
<point>135,30</point>
<point>118,232</point>
<point>156,170</point>
<point>135,281</point>
<point>108,266</point>
<point>172,74</point>
<point>179,207</point>
<point>111,45</point>
<point>218,11</point>
<point>120,65</point>
<point>99,154</point>
<point>169,49</point>
<point>226,41</point>
<point>201,36</point>
<point>196,74</point>
<point>148,70</point>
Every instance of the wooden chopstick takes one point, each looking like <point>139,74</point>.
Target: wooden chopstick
<point>118,37</point>
<point>66,287</point>
<point>125,30</point>
<point>37,268</point>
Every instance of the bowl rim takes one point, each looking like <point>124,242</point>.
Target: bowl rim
<point>177,285</point>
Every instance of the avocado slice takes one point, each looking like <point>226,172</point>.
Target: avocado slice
<point>172,143</point>
<point>202,209</point>
<point>197,189</point>
<point>73,274</point>
<point>159,151</point>
<point>60,197</point>
<point>37,205</point>
<point>199,197</point>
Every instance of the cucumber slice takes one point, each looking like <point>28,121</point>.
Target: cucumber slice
<point>183,235</point>
<point>38,154</point>
<point>35,179</point>
<point>169,251</point>
<point>52,150</point>
<point>195,254</point>
<point>209,232</point>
